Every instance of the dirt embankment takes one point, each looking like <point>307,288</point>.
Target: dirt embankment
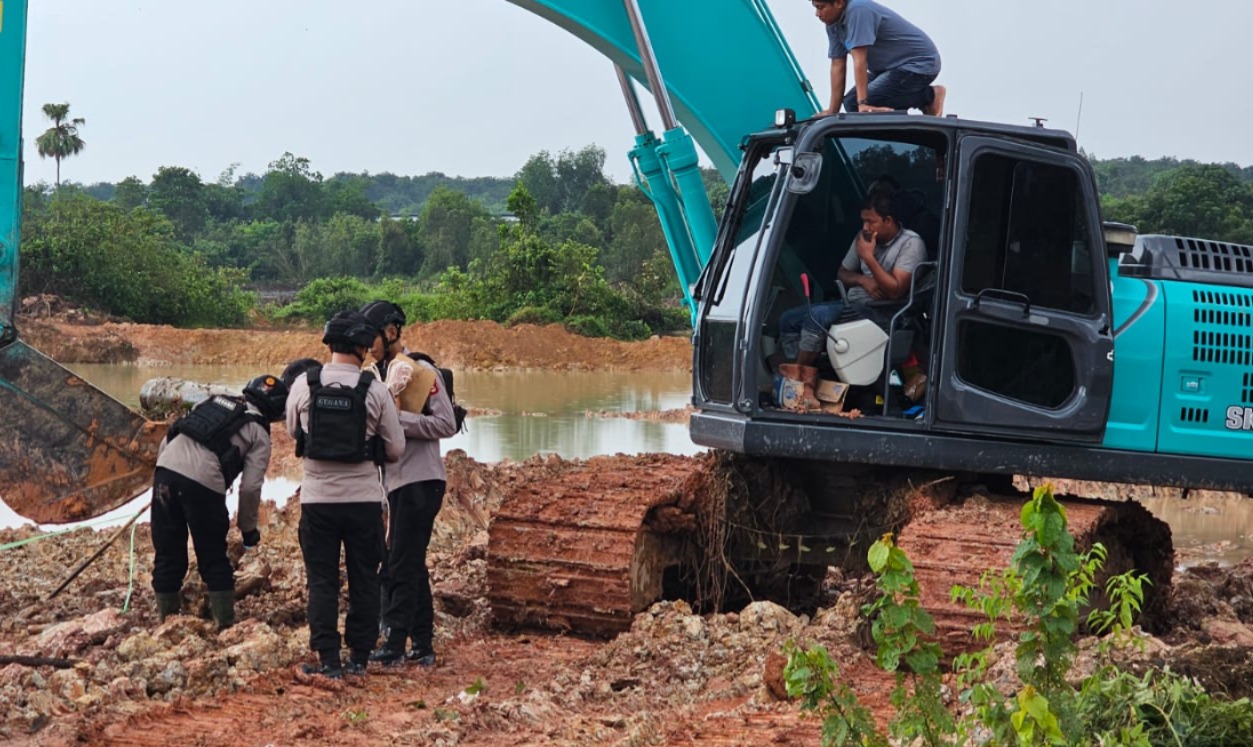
<point>71,336</point>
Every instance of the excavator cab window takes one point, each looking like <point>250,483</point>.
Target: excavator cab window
<point>823,221</point>
<point>1027,240</point>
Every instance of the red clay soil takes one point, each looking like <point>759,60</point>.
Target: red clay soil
<point>464,345</point>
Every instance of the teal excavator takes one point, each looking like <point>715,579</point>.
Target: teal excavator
<point>1052,344</point>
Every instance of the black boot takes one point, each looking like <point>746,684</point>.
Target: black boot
<point>168,603</point>
<point>357,663</point>
<point>393,651</point>
<point>328,666</point>
<point>222,607</point>
<point>421,654</point>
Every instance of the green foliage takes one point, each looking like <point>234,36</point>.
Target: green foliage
<point>1201,200</point>
<point>562,184</point>
<point>902,631</point>
<point>290,227</point>
<point>179,194</point>
<point>1043,590</point>
<point>323,298</point>
<point>812,676</point>
<point>452,231</point>
<point>533,315</point>
<point>291,191</point>
<point>125,262</point>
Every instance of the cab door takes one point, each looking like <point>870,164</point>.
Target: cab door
<point>1027,349</point>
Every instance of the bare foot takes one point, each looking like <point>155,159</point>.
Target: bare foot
<point>937,105</point>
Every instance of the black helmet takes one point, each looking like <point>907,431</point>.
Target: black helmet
<point>383,313</point>
<point>269,395</point>
<point>350,328</point>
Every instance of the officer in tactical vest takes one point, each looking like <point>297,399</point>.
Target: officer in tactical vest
<point>345,426</point>
<point>203,452</point>
<point>415,490</point>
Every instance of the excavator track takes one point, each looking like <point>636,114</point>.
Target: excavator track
<point>955,544</point>
<point>589,548</point>
<point>598,541</point>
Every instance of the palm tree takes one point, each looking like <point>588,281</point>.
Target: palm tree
<point>61,140</point>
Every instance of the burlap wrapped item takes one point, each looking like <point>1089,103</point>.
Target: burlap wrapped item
<point>408,381</point>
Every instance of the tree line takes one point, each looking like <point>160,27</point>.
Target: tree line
<point>176,249</point>
<point>556,242</point>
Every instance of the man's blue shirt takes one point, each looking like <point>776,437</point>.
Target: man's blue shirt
<point>893,43</point>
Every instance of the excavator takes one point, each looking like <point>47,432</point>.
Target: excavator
<point>1055,345</point>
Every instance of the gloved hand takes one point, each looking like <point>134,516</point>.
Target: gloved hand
<point>398,377</point>
<point>252,538</point>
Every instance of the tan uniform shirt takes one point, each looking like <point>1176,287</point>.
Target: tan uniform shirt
<point>199,464</point>
<point>344,482</point>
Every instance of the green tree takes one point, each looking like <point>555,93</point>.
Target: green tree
<point>347,194</point>
<point>447,228</point>
<point>635,236</point>
<point>179,194</point>
<point>400,248</point>
<point>130,193</point>
<point>291,190</point>
<point>126,262</point>
<point>1201,200</point>
<point>61,140</point>
<point>561,184</point>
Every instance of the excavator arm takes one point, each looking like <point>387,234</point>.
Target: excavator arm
<point>718,70</point>
<point>12,58</point>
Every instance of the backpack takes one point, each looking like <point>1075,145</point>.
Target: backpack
<point>212,424</point>
<point>458,412</point>
<point>337,423</point>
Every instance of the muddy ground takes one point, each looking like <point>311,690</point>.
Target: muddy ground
<point>674,678</point>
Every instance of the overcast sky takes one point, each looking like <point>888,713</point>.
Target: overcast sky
<point>474,87</point>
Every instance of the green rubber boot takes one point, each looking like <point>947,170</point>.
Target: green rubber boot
<point>222,607</point>
<point>168,604</point>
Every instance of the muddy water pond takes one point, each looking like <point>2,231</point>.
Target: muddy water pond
<point>540,412</point>
<point>533,412</point>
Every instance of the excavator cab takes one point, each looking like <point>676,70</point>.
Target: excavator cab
<point>1007,316</point>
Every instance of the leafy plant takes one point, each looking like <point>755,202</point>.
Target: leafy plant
<point>1041,593</point>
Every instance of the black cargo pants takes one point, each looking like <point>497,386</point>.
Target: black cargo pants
<point>358,528</point>
<point>406,580</point>
<point>179,505</point>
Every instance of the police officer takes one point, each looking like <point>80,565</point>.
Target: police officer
<point>415,491</point>
<point>201,455</point>
<point>345,425</point>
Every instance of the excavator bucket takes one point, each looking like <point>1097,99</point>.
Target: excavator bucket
<point>68,451</point>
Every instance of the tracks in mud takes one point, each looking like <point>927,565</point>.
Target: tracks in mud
<point>583,552</point>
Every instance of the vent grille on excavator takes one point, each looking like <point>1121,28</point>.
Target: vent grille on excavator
<point>1214,308</point>
<point>1202,254</point>
<point>1194,415</point>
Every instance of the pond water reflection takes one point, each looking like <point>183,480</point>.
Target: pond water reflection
<point>541,412</point>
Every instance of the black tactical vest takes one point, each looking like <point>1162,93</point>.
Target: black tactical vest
<point>337,422</point>
<point>211,424</point>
